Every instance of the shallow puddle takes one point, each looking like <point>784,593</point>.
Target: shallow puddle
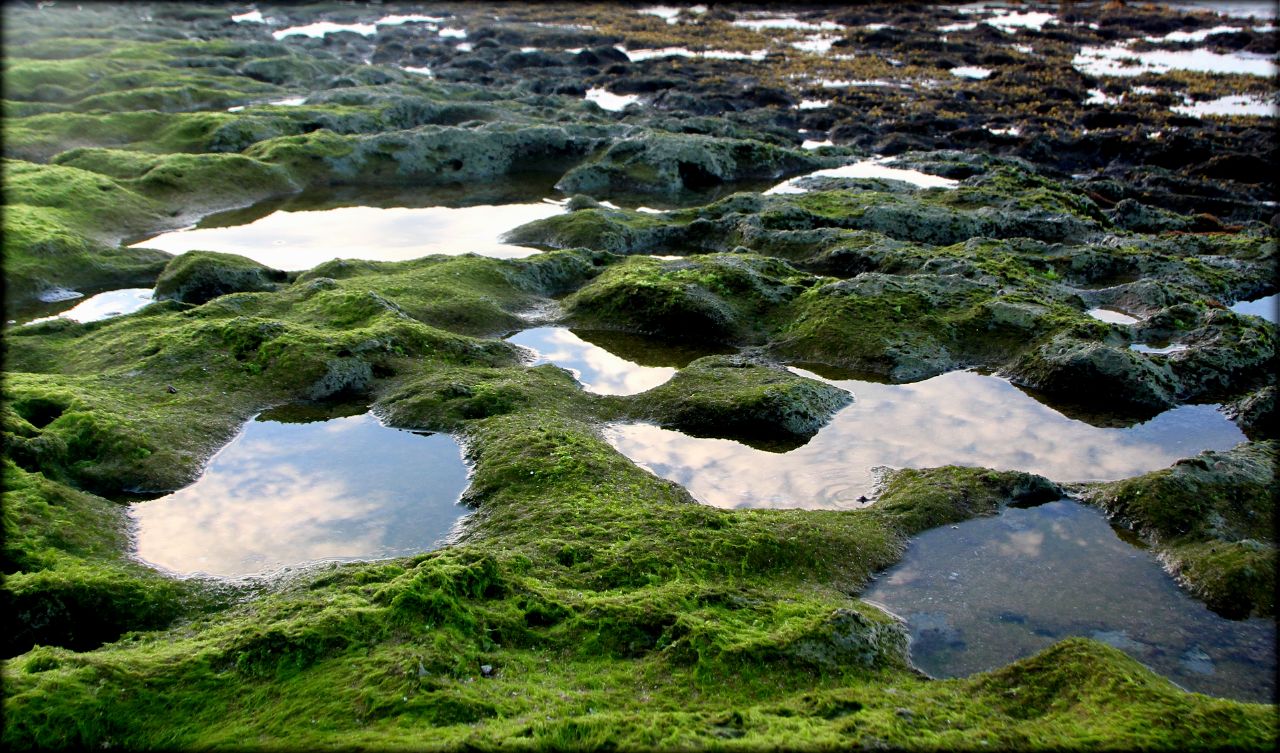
<point>302,231</point>
<point>296,488</point>
<point>1267,307</point>
<point>867,168</point>
<point>989,591</point>
<point>961,418</point>
<point>608,363</point>
<point>1112,317</point>
<point>103,306</point>
<point>1243,104</point>
<point>639,55</point>
<point>971,71</point>
<point>785,22</point>
<point>607,100</point>
<point>1159,350</point>
<point>1120,60</point>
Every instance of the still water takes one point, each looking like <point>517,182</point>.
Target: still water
<point>1267,307</point>
<point>292,490</point>
<point>305,230</point>
<point>608,363</point>
<point>961,418</point>
<point>989,591</point>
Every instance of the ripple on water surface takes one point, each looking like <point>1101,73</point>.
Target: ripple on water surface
<point>290,491</point>
<point>960,418</point>
<point>993,590</point>
<point>306,230</point>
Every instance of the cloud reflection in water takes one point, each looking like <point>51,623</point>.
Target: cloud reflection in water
<point>993,590</point>
<point>960,418</point>
<point>597,369</point>
<point>303,239</point>
<point>287,494</point>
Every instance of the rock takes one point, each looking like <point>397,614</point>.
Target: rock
<point>731,396</point>
<point>342,375</point>
<point>668,163</point>
<point>1255,413</point>
<point>849,637</point>
<point>1138,217</point>
<point>1093,373</point>
<point>199,276</point>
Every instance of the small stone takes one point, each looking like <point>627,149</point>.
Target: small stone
<point>904,713</point>
<point>422,671</point>
<point>171,389</point>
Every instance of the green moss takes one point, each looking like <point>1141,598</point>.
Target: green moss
<point>716,297</point>
<point>198,276</point>
<point>728,396</point>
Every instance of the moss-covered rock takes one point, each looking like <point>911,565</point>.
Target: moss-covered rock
<point>1095,372</point>
<point>666,164</point>
<point>200,276</point>
<point>733,397</point>
<point>713,298</point>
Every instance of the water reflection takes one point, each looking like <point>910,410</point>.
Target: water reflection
<point>1120,60</point>
<point>1243,104</point>
<point>989,591</point>
<point>958,418</point>
<point>608,363</point>
<point>1112,317</point>
<point>103,306</point>
<point>1267,307</point>
<point>303,231</point>
<point>289,493</point>
<point>867,168</point>
<point>607,100</point>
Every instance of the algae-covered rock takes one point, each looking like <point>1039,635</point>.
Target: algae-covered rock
<point>667,163</point>
<point>200,276</point>
<point>1211,517</point>
<point>848,637</point>
<point>1094,372</point>
<point>342,375</point>
<point>1255,413</point>
<point>707,298</point>
<point>731,396</point>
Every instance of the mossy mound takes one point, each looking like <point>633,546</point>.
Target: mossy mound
<point>732,397</point>
<point>666,163</point>
<point>714,297</point>
<point>200,276</point>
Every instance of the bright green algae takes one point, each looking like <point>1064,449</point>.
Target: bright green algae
<point>613,610</point>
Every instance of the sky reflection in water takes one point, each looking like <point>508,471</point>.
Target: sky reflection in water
<point>959,418</point>
<point>295,240</point>
<point>285,494</point>
<point>596,369</point>
<point>992,590</point>
<point>1267,307</point>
